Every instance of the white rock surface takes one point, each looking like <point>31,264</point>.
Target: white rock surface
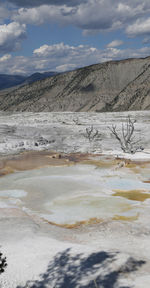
<point>114,253</point>
<point>65,132</point>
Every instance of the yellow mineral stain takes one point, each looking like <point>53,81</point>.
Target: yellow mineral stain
<point>125,218</point>
<point>136,166</point>
<point>133,167</point>
<point>135,195</point>
<point>130,165</point>
<point>101,163</point>
<point>135,170</point>
<point>6,171</point>
<point>77,224</point>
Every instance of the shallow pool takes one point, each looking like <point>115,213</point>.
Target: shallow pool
<point>74,195</point>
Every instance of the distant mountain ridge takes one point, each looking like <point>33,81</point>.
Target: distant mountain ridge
<point>111,86</point>
<point>39,76</point>
<point>8,81</point>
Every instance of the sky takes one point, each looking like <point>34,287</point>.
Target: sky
<point>62,35</point>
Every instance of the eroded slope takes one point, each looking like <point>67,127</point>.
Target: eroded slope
<point>93,88</point>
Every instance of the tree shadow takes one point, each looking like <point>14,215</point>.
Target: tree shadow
<point>71,271</point>
<point>3,263</point>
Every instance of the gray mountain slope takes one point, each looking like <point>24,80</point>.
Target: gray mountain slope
<point>136,96</point>
<point>111,86</point>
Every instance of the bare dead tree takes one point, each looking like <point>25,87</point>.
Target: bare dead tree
<point>127,139</point>
<point>76,121</point>
<point>92,134</point>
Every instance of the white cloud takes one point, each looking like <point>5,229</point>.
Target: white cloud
<point>11,36</point>
<point>61,57</point>
<point>5,58</point>
<point>42,14</point>
<point>140,27</point>
<point>115,43</point>
<point>91,16</point>
<point>61,50</point>
<point>146,40</point>
<point>60,54</point>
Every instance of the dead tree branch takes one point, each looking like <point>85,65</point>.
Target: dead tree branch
<point>127,139</point>
<point>92,133</point>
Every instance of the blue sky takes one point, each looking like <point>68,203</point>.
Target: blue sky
<point>60,35</point>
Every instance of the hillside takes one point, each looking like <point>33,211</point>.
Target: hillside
<point>136,95</point>
<point>111,86</point>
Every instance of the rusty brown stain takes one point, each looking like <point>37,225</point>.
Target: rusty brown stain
<point>77,224</point>
<point>30,160</point>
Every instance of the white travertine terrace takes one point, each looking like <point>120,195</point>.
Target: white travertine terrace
<point>106,208</point>
<point>65,131</point>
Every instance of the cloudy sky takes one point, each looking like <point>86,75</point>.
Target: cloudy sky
<point>60,35</point>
